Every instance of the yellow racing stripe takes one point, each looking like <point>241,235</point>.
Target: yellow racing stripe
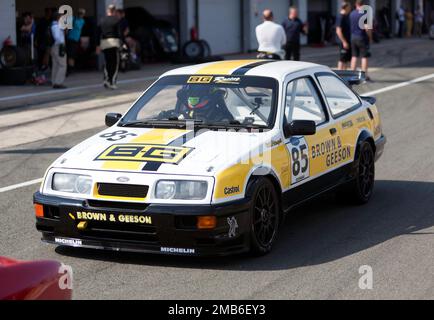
<point>224,67</point>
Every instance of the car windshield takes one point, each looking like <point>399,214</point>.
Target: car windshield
<point>242,101</point>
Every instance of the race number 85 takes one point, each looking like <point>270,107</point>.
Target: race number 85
<point>300,162</point>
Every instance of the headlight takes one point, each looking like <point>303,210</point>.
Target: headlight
<point>181,190</point>
<point>74,183</point>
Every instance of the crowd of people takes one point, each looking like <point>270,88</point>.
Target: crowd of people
<point>282,41</point>
<point>48,41</point>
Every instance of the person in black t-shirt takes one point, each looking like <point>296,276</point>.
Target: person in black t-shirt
<point>109,41</point>
<point>343,32</point>
<point>294,27</point>
<point>361,38</point>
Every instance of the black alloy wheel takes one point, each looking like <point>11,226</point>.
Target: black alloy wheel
<point>265,216</point>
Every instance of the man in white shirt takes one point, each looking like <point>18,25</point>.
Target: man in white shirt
<point>58,54</point>
<point>271,36</point>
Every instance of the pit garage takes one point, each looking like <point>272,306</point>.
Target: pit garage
<point>219,22</point>
<point>320,21</point>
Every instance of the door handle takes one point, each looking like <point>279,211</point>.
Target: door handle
<point>333,131</point>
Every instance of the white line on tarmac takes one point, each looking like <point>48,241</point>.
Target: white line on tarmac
<point>53,92</point>
<point>371,93</point>
<point>399,85</point>
<point>20,185</point>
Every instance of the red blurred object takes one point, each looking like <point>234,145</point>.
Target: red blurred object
<point>8,42</point>
<point>194,34</point>
<point>32,280</point>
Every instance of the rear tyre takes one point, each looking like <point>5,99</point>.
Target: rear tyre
<point>265,217</point>
<point>359,190</point>
<point>193,50</point>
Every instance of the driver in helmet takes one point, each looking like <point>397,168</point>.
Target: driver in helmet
<point>204,102</point>
<point>201,102</point>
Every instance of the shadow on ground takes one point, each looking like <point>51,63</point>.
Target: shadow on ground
<point>321,231</point>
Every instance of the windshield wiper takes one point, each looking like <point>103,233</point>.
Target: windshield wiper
<point>231,124</point>
<point>160,123</point>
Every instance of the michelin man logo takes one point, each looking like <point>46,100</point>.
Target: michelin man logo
<point>233,225</point>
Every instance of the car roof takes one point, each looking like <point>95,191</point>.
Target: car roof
<point>268,68</point>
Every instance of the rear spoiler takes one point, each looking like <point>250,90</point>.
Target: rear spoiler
<point>352,78</point>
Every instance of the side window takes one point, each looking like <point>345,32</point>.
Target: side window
<point>339,97</point>
<point>302,102</point>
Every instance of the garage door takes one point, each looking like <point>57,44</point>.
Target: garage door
<point>220,25</point>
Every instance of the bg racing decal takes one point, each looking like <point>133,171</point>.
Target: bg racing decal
<point>299,151</point>
<point>144,152</point>
<point>200,79</point>
<point>227,80</point>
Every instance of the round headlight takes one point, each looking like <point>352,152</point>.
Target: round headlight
<point>83,185</point>
<point>165,190</point>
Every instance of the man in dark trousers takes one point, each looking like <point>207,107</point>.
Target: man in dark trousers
<point>343,33</point>
<point>109,43</point>
<point>293,28</point>
<point>360,38</point>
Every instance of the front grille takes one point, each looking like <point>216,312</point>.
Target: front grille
<point>126,232</point>
<point>122,190</point>
<point>117,205</point>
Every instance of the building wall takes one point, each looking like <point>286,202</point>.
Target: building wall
<point>38,7</point>
<point>7,21</point>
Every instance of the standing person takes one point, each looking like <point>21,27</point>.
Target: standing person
<point>109,43</point>
<point>293,28</point>
<point>43,38</point>
<point>27,34</point>
<point>400,15</point>
<point>343,32</point>
<point>271,36</point>
<point>73,42</point>
<point>418,17</point>
<point>58,53</point>
<point>360,38</point>
<point>408,23</point>
<point>125,33</point>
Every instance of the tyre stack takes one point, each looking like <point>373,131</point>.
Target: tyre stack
<point>13,69</point>
<point>196,51</point>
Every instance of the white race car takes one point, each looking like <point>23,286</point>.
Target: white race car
<point>209,159</point>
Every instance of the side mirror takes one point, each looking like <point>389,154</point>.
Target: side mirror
<point>300,128</point>
<point>112,118</point>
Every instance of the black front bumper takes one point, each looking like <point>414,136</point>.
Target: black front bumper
<point>173,229</point>
<point>379,146</point>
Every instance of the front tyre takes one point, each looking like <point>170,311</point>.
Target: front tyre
<point>360,189</point>
<point>265,216</point>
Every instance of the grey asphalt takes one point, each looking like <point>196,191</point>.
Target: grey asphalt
<point>321,245</point>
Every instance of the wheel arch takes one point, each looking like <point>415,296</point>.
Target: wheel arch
<point>364,136</point>
<point>263,172</point>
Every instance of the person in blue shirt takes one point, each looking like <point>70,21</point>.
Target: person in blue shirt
<point>73,40</point>
<point>293,27</point>
<point>343,33</point>
<point>360,38</point>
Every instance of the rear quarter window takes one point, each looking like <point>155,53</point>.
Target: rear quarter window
<point>339,97</point>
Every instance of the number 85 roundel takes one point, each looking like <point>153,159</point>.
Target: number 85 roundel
<point>299,151</point>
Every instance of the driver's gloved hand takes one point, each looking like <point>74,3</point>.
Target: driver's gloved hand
<point>166,114</point>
